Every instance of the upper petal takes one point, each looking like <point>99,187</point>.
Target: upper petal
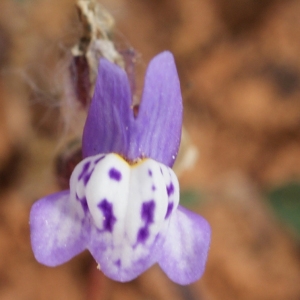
<point>185,250</point>
<point>57,230</point>
<point>157,129</point>
<point>108,122</point>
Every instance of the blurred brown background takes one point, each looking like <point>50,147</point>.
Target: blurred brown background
<point>239,66</point>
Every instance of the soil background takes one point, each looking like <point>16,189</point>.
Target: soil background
<point>239,67</point>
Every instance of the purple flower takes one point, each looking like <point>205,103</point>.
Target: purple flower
<point>123,200</point>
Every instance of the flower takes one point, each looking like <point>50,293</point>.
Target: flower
<point>123,200</point>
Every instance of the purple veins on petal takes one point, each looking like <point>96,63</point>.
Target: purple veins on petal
<point>115,174</point>
<point>156,130</point>
<point>157,127</point>
<point>109,113</point>
<point>148,211</point>
<point>109,218</point>
<point>98,159</point>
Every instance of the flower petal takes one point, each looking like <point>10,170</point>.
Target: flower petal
<point>103,253</point>
<point>57,232</point>
<point>158,125</point>
<point>185,250</point>
<point>108,122</point>
<point>129,205</point>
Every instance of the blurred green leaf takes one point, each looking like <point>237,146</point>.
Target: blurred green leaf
<point>285,200</point>
<point>191,198</point>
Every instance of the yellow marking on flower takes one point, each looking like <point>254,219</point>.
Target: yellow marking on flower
<point>131,164</point>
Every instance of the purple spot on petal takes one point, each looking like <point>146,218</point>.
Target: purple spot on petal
<point>115,174</point>
<point>148,211</point>
<point>153,188</point>
<point>150,173</point>
<point>83,203</point>
<point>87,177</point>
<point>118,263</point>
<point>109,218</point>
<point>161,171</point>
<point>170,189</point>
<point>84,170</point>
<point>143,234</point>
<point>169,210</point>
